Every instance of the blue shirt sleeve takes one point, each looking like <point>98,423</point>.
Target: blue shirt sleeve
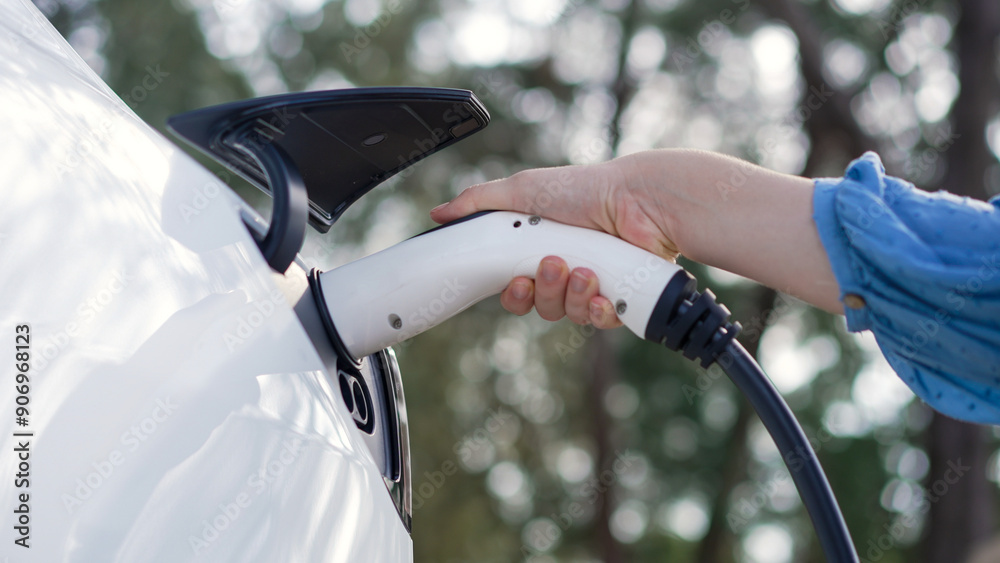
<point>922,272</point>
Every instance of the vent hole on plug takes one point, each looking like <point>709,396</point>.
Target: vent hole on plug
<point>517,224</point>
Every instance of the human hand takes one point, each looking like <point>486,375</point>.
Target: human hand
<point>607,197</point>
<point>715,209</point>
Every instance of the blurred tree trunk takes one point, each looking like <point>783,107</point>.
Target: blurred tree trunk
<point>964,516</point>
<point>975,47</point>
<point>604,373</point>
<point>834,135</point>
<point>604,365</point>
<point>719,542</point>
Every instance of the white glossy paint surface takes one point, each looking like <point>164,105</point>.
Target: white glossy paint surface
<point>179,411</point>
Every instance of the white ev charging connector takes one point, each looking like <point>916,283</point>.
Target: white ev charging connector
<point>397,293</point>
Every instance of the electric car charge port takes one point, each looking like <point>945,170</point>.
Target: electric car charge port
<point>316,153</point>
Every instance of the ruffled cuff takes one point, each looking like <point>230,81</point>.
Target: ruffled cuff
<point>922,272</point>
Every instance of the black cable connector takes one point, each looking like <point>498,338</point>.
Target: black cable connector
<point>693,323</point>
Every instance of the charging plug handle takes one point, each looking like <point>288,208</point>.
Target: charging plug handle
<point>397,293</point>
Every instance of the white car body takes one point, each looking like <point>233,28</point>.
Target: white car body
<point>177,409</point>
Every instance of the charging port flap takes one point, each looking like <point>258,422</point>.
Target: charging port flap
<point>339,143</point>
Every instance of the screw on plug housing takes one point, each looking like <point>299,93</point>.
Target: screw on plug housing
<point>395,322</point>
<point>534,220</point>
<point>620,306</point>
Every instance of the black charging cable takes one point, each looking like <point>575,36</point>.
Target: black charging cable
<point>693,323</point>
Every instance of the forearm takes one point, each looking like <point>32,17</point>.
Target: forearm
<point>739,217</point>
